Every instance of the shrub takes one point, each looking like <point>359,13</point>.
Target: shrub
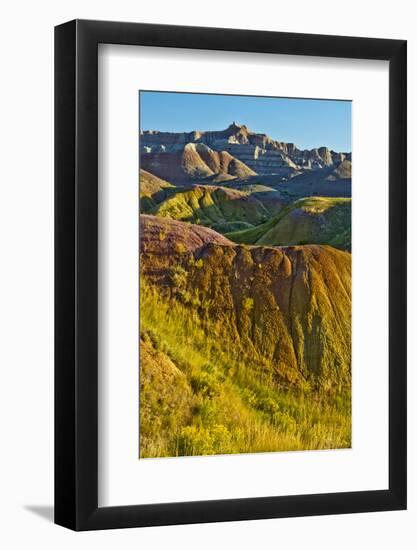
<point>212,369</point>
<point>178,276</point>
<point>268,405</point>
<point>205,384</point>
<point>180,247</point>
<point>196,440</point>
<point>248,304</point>
<point>207,412</point>
<point>206,304</point>
<point>250,397</point>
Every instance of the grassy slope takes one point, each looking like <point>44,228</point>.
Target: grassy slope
<point>210,402</point>
<point>260,335</point>
<point>212,206</point>
<point>152,190</point>
<point>312,220</point>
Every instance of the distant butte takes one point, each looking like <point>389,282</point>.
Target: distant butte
<point>235,152</point>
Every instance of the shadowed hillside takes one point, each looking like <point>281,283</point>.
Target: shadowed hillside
<point>272,200</point>
<point>342,171</point>
<point>152,190</point>
<point>332,181</point>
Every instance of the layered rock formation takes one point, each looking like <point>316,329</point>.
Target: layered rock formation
<point>235,152</point>
<point>193,161</point>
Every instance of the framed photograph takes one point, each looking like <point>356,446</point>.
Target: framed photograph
<point>230,252</point>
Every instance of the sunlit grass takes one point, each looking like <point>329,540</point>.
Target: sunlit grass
<point>200,395</point>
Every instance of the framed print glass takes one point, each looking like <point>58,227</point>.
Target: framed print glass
<point>230,275</point>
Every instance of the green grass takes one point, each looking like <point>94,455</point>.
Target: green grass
<point>152,191</point>
<point>219,208</point>
<point>201,395</point>
<point>311,220</point>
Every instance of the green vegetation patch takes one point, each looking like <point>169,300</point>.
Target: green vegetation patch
<point>152,190</point>
<point>311,220</point>
<point>216,207</point>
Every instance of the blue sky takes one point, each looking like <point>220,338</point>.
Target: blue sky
<point>306,122</point>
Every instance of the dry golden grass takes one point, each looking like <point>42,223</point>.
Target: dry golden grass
<point>199,398</point>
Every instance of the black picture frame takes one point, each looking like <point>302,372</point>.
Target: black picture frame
<point>76,272</point>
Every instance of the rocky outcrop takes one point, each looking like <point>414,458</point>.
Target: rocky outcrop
<point>258,153</point>
<point>342,171</point>
<point>192,162</point>
<point>165,236</point>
